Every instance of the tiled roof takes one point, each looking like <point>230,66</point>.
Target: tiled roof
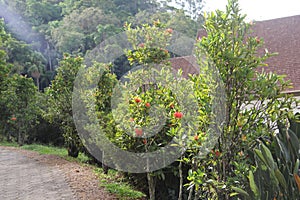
<point>280,35</point>
<point>187,64</point>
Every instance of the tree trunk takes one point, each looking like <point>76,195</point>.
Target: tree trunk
<point>191,193</point>
<point>49,58</point>
<point>151,185</point>
<point>73,150</point>
<point>180,180</point>
<point>38,84</point>
<point>20,136</point>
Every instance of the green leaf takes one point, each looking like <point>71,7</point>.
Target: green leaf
<point>280,178</point>
<point>260,156</point>
<point>239,191</point>
<point>296,168</point>
<point>253,186</point>
<point>268,157</point>
<point>233,194</point>
<point>283,149</point>
<point>294,141</point>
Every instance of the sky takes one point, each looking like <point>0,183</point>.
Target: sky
<point>260,9</point>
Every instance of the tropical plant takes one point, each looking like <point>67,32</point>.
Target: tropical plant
<point>59,102</point>
<point>254,102</point>
<point>20,101</point>
<point>276,173</point>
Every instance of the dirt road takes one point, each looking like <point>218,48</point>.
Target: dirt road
<point>27,175</point>
<point>24,178</point>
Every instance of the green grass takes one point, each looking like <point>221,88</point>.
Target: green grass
<point>8,144</point>
<point>46,149</point>
<point>50,150</point>
<point>114,183</point>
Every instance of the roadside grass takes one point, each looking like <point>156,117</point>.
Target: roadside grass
<point>113,182</point>
<point>51,150</point>
<point>8,144</point>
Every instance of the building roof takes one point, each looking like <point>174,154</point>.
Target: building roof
<point>282,36</point>
<point>187,64</point>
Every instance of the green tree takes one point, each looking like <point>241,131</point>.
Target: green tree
<point>150,105</point>
<point>18,93</point>
<point>192,7</point>
<point>254,103</point>
<point>175,19</point>
<point>76,32</point>
<point>20,99</point>
<point>4,75</point>
<point>59,100</point>
<point>42,12</point>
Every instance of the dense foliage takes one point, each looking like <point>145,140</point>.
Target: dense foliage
<point>242,140</point>
<point>255,103</point>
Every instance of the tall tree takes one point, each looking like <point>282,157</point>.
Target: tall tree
<point>20,98</point>
<point>59,99</point>
<point>75,33</point>
<point>254,102</point>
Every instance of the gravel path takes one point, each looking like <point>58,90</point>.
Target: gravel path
<point>28,175</point>
<point>23,178</point>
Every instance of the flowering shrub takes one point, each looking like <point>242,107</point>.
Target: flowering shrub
<point>230,47</point>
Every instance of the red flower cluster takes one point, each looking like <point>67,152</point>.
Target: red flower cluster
<point>257,40</point>
<point>178,115</point>
<point>148,105</point>
<point>13,118</point>
<point>137,100</point>
<point>196,137</point>
<point>217,153</point>
<point>169,30</point>
<point>145,141</point>
<point>138,132</point>
<point>142,45</point>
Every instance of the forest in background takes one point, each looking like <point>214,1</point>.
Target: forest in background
<point>44,30</point>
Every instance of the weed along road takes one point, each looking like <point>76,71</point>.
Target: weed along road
<point>22,178</point>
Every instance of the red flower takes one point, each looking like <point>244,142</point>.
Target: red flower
<point>147,105</point>
<point>137,100</point>
<point>138,132</point>
<point>217,153</point>
<point>178,115</point>
<point>196,137</point>
<point>169,30</point>
<point>142,45</point>
<point>257,40</point>
<point>145,141</point>
<point>13,118</point>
